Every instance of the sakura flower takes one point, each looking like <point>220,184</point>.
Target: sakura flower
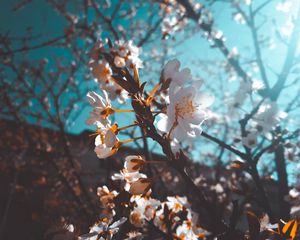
<point>106,196</point>
<point>171,71</point>
<point>133,163</point>
<point>185,113</point>
<point>288,28</point>
<point>185,231</point>
<point>136,218</point>
<point>146,205</point>
<point>101,108</point>
<point>134,235</point>
<point>127,53</point>
<point>169,26</point>
<point>103,74</point>
<point>250,140</point>
<point>284,6</point>
<point>239,18</point>
<point>265,223</point>
<point>177,203</point>
<point>140,186</point>
<point>119,62</point>
<point>144,210</point>
<point>103,230</point>
<point>248,2</point>
<point>128,177</point>
<point>268,116</point>
<point>106,142</point>
<point>115,91</point>
<point>101,71</point>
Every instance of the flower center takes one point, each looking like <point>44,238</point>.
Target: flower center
<point>185,107</point>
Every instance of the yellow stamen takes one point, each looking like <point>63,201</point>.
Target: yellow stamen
<point>114,128</point>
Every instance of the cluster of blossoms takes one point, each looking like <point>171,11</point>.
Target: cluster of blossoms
<point>264,121</point>
<point>171,120</point>
<point>184,111</point>
<point>173,17</point>
<point>172,217</point>
<point>124,54</point>
<point>186,105</point>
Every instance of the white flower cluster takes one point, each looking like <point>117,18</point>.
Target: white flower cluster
<point>187,106</point>
<point>174,19</point>
<point>174,214</point>
<point>126,54</point>
<point>263,122</point>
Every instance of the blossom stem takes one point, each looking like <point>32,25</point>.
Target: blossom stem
<point>129,126</point>
<point>154,90</point>
<point>123,110</point>
<point>130,140</point>
<point>152,94</point>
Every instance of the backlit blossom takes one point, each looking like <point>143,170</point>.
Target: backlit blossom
<point>106,142</point>
<point>127,54</point>
<point>185,231</point>
<point>268,116</point>
<point>103,74</point>
<point>133,163</point>
<point>284,6</point>
<point>119,61</point>
<point>177,203</point>
<point>185,113</point>
<point>169,26</point>
<point>250,140</point>
<point>106,196</point>
<point>171,71</point>
<point>128,177</point>
<point>101,108</point>
<point>239,18</point>
<point>134,235</point>
<point>141,186</point>
<point>103,230</point>
<point>144,210</point>
<point>101,71</point>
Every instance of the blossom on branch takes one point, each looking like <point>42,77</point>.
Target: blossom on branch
<point>103,230</point>
<point>185,113</point>
<point>101,108</point>
<point>106,142</point>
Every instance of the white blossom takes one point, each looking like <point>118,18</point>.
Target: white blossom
<point>268,116</point>
<point>250,140</point>
<point>127,54</point>
<point>106,142</point>
<point>100,105</point>
<point>185,113</point>
<point>171,71</point>
<point>141,186</point>
<point>284,6</point>
<point>103,230</point>
<point>133,163</point>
